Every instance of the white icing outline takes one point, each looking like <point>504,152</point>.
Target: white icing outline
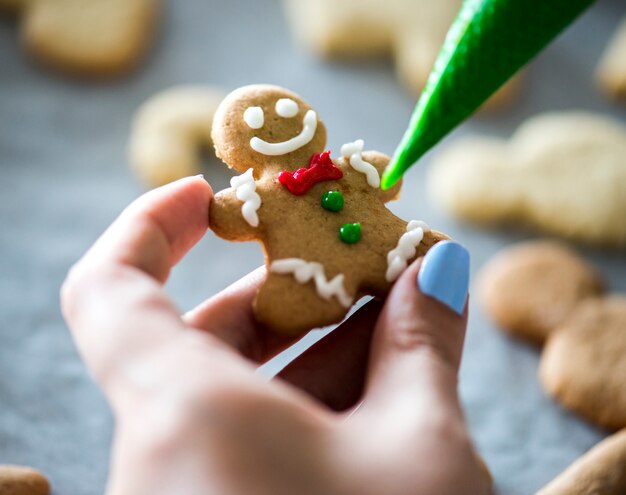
<point>353,153</point>
<point>309,126</point>
<point>254,117</point>
<point>245,190</point>
<point>398,258</point>
<point>303,271</point>
<point>286,108</point>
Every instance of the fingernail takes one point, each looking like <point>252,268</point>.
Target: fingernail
<point>199,175</point>
<point>444,274</point>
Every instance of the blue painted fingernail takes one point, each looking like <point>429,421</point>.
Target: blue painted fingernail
<point>444,274</point>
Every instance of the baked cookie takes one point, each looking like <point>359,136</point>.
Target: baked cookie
<point>19,480</point>
<point>562,173</point>
<point>611,71</point>
<point>89,37</point>
<point>583,365</point>
<point>327,235</point>
<point>411,30</point>
<point>531,287</point>
<point>170,130</point>
<point>601,471</point>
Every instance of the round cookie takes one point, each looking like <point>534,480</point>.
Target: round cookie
<point>322,254</point>
<point>602,470</point>
<point>583,365</point>
<point>20,480</point>
<point>530,288</point>
<point>169,130</point>
<point>89,37</point>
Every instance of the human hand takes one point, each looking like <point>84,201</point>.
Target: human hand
<point>193,417</point>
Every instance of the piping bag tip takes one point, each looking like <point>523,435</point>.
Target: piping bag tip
<point>405,156</point>
<point>392,173</point>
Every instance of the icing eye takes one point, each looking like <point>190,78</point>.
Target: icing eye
<point>286,107</point>
<point>253,116</point>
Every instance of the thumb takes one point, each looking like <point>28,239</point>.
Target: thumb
<point>418,340</point>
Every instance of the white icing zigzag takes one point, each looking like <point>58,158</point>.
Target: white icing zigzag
<point>304,271</point>
<point>245,189</point>
<point>398,258</point>
<point>352,153</point>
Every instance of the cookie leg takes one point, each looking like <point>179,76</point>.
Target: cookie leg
<point>291,308</point>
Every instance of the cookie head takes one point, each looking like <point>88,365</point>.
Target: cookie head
<point>266,127</point>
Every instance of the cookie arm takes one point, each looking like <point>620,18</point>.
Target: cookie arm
<point>380,161</point>
<point>226,218</point>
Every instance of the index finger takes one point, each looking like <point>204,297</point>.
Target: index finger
<point>112,299</point>
<point>157,229</point>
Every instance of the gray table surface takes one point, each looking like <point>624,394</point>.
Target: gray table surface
<point>64,178</point>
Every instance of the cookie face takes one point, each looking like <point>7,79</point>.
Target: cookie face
<point>583,365</point>
<point>561,173</point>
<point>327,235</point>
<point>602,470</point>
<point>20,480</point>
<point>265,126</point>
<point>532,287</point>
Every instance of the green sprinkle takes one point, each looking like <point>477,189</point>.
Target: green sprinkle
<point>350,233</point>
<point>332,201</point>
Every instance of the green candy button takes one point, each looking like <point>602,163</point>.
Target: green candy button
<point>332,201</point>
<point>350,233</point>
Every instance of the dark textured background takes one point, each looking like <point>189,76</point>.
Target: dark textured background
<point>64,178</point>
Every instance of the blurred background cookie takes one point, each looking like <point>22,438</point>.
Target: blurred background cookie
<point>92,38</point>
<point>583,364</point>
<point>561,172</point>
<point>169,132</point>
<point>530,288</point>
<point>601,471</point>
<point>412,31</point>
<point>20,480</point>
<point>611,71</point>
<point>65,176</point>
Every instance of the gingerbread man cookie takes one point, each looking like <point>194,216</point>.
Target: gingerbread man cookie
<point>560,172</point>
<point>327,235</point>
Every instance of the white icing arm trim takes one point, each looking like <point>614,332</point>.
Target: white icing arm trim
<point>353,153</point>
<point>309,126</point>
<point>303,271</point>
<point>398,258</point>
<point>245,190</point>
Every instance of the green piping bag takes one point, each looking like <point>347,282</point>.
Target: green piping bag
<point>486,44</point>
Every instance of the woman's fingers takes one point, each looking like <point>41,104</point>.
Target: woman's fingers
<point>230,317</point>
<point>418,340</point>
<point>157,229</point>
<point>333,370</point>
<point>112,298</point>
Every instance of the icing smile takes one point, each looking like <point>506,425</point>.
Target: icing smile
<point>309,126</point>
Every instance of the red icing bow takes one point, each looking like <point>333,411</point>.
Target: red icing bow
<point>321,168</point>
